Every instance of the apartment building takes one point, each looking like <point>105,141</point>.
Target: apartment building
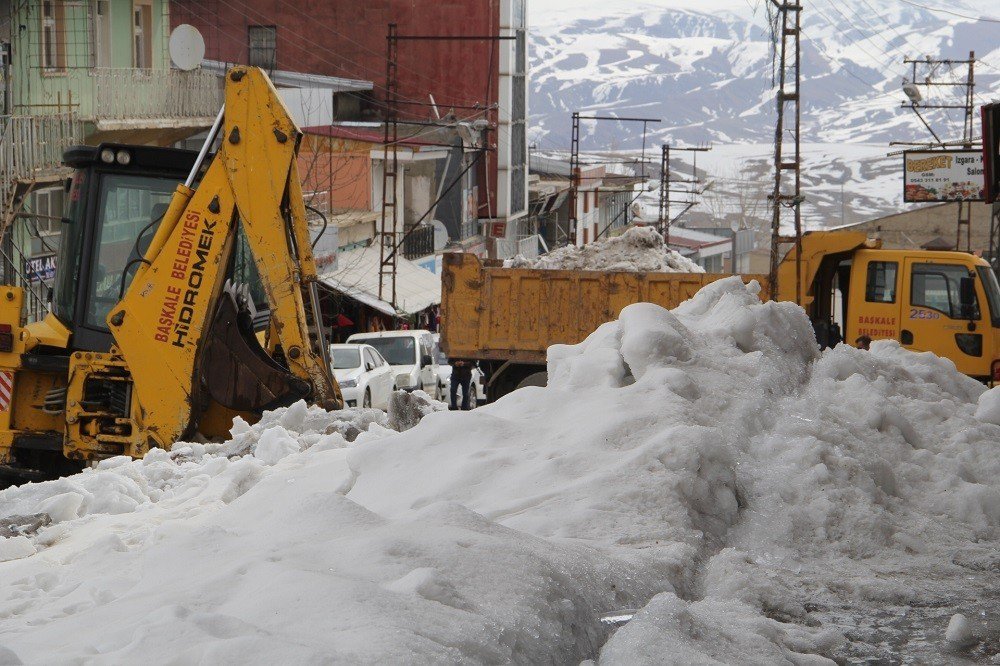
<point>82,71</point>
<point>462,79</point>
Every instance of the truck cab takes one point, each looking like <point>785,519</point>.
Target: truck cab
<point>947,303</point>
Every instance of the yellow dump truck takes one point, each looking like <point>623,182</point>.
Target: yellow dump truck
<point>944,302</point>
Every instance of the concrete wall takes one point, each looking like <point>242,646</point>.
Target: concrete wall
<point>337,168</point>
<point>913,228</point>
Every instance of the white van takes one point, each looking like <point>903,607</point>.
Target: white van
<point>411,354</point>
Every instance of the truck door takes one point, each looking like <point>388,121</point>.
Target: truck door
<point>873,299</point>
<point>942,313</point>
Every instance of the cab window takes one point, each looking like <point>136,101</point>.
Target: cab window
<point>880,286</point>
<point>939,287</point>
<point>127,205</point>
<point>992,290</point>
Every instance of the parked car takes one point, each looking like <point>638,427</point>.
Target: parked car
<point>411,355</point>
<point>365,378</point>
<point>478,384</point>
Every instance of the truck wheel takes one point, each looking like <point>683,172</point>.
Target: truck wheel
<point>534,379</point>
<point>366,402</point>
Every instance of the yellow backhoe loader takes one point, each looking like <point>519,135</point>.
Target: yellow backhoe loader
<point>151,334</point>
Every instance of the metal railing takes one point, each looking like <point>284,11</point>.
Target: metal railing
<point>129,93</point>
<point>31,147</point>
<point>506,248</point>
<point>419,243</point>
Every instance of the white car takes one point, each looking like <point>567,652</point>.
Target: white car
<point>478,383</point>
<point>365,379</point>
<point>411,355</point>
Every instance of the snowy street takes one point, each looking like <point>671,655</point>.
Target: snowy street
<point>753,500</point>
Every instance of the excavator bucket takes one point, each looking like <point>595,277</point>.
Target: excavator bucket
<point>237,372</point>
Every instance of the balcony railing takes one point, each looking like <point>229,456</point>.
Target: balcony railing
<point>31,149</point>
<point>145,94</point>
<point>419,243</point>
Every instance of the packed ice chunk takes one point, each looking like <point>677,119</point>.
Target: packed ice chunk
<point>407,408</point>
<point>639,249</point>
<point>274,444</point>
<point>15,547</point>
<point>988,406</point>
<point>959,632</point>
<point>672,631</point>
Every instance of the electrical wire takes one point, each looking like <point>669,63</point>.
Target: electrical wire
<point>982,19</point>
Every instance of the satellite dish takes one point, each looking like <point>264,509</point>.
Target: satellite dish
<point>440,235</point>
<point>187,47</point>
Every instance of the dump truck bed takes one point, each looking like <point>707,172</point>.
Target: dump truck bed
<point>515,314</point>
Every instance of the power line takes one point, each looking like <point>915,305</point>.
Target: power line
<point>983,19</point>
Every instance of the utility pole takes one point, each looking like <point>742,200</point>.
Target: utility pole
<point>574,176</point>
<point>664,213</point>
<point>388,258</point>
<point>574,162</point>
<point>965,207</point>
<point>390,236</point>
<point>666,180</point>
<point>789,76</point>
<point>964,221</point>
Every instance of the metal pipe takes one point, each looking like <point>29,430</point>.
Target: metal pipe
<point>324,347</point>
<point>209,140</point>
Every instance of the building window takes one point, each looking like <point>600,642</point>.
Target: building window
<point>262,41</point>
<point>102,33</point>
<point>518,129</point>
<point>880,286</point>
<point>53,42</point>
<point>142,31</point>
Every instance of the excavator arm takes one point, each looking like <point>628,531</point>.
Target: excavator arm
<point>183,335</point>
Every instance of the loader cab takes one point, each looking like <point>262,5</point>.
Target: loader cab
<point>115,194</point>
<point>115,199</point>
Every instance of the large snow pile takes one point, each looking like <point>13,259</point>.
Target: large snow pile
<point>755,502</point>
<point>639,249</point>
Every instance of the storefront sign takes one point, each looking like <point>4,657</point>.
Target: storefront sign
<point>40,268</point>
<point>498,229</point>
<point>943,175</point>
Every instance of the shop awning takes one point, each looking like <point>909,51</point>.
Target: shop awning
<point>358,276</point>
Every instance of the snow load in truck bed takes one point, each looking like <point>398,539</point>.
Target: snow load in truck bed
<point>754,500</point>
<point>639,249</point>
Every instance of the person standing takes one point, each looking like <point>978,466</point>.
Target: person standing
<point>461,376</point>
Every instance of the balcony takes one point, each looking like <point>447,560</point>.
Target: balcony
<point>419,242</point>
<point>31,149</point>
<point>124,98</point>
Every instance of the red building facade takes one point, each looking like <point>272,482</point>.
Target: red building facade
<point>347,38</point>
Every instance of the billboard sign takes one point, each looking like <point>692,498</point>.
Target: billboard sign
<point>943,175</point>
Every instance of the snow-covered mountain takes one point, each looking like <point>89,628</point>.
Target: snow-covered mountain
<point>705,68</point>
